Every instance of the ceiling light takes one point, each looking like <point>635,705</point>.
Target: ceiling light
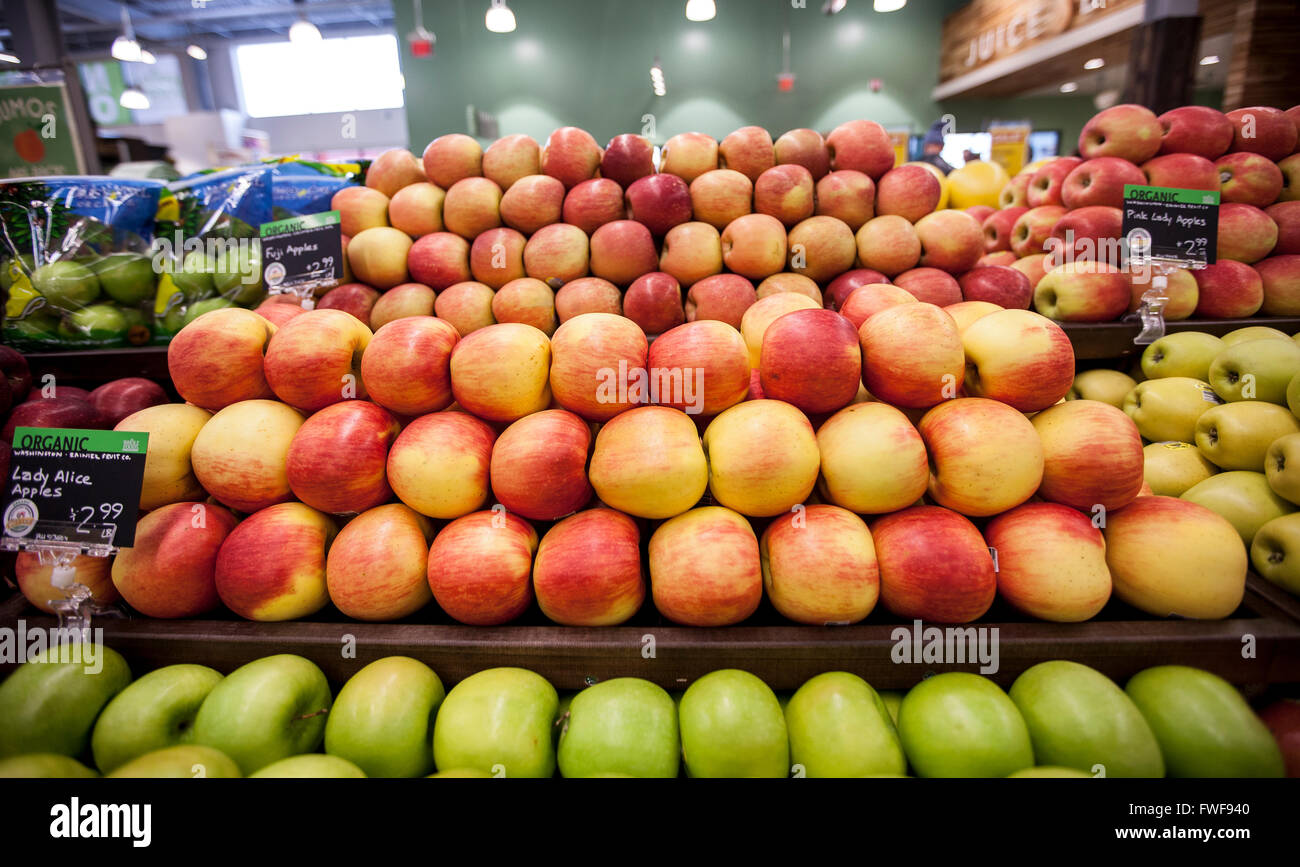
<point>1095,63</point>
<point>6,57</point>
<point>657,79</point>
<point>1209,60</point>
<point>146,56</point>
<point>888,5</point>
<point>125,48</point>
<point>700,10</point>
<point>830,7</point>
<point>303,31</point>
<point>133,98</point>
<point>196,51</point>
<point>1069,87</point>
<point>499,18</point>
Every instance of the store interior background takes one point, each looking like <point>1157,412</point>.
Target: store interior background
<point>570,62</point>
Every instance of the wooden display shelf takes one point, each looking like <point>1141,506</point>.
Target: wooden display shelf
<point>1102,340</point>
<point>1259,645</point>
<point>101,365</point>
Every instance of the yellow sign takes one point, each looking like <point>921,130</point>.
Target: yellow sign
<point>1010,145</point>
<point>899,138</point>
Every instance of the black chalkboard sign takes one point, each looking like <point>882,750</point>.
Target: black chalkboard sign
<point>79,487</point>
<point>1179,227</point>
<point>302,253</point>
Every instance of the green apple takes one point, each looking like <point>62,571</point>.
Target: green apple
<point>1204,726</point>
<point>43,766</point>
<point>1103,384</point>
<point>1048,771</point>
<point>311,766</point>
<point>839,727</point>
<point>463,773</point>
<point>49,703</point>
<point>264,711</point>
<point>35,326</point>
<point>1293,395</point>
<point>382,720</point>
<point>625,726</point>
<point>66,284</point>
<point>239,273</point>
<point>156,711</point>
<point>958,724</point>
<point>1255,370</point>
<point>1275,552</point>
<point>1282,467</point>
<point>893,699</point>
<point>182,762</point>
<point>732,726</point>
<point>127,278</point>
<point>1236,436</point>
<point>1078,718</point>
<point>97,323</point>
<point>1167,409</point>
<point>1171,468</point>
<point>1243,497</point>
<point>1183,353</point>
<point>1253,332</point>
<point>498,721</point>
<point>194,311</point>
<point>194,276</point>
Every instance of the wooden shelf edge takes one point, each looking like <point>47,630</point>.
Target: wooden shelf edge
<point>1095,341</point>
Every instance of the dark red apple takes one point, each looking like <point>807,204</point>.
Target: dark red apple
<point>66,412</point>
<point>15,369</point>
<point>116,400</point>
<point>659,202</point>
<point>997,284</point>
<point>839,289</point>
<point>654,301</point>
<point>355,298</point>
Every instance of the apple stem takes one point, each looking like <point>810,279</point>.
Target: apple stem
<point>314,713</point>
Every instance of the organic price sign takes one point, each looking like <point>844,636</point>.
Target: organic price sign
<point>78,487</point>
<point>300,254</point>
<point>1178,227</point>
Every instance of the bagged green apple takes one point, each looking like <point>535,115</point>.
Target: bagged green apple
<point>74,262</point>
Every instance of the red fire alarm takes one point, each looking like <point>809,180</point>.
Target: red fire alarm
<point>785,82</point>
<point>421,42</point>
<point>875,84</point>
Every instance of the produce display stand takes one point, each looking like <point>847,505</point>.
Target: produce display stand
<point>1119,643</point>
<point>102,365</point>
<point>1095,341</point>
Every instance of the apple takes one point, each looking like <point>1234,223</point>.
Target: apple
<point>997,228</point>
<point>1253,332</point>
<point>377,566</point>
<point>930,285</point>
<point>1033,229</point>
<point>821,248</point>
<point>934,565</point>
<point>588,295</point>
<point>732,726</point>
<point>50,702</point>
<point>383,716</point>
<point>1263,130</point>
<point>1236,436</point>
<point>861,145</point>
<point>840,727</point>
<point>1183,353</point>
<point>357,299</point>
<point>528,301</point>
<point>170,570</point>
<point>958,724</point>
<point>439,260</point>
<point>979,212</point>
<point>888,244</point>
<point>538,466</point>
<point>873,461</point>
<point>1046,184</point>
<point>510,159</point>
<point>16,372</point>
<point>360,208</point>
<point>154,712</point>
<point>1281,719</point>
<point>1195,129</point>
<point>218,358</point>
<point>1033,266</point>
<point>763,457</point>
<point>1248,178</point>
<point>593,203</point>
<point>623,250</point>
<point>471,207</point>
<point>122,397</point>
<point>1203,725</point>
<point>819,566</point>
<point>1282,464</point>
<point>1170,556</point>
<point>407,365</point>
<point>867,301</point>
<point>532,202</point>
<point>1246,234</point>
<point>466,306</point>
<point>689,155</point>
<point>439,464</point>
<point>760,315</point>
<point>627,158</point>
<point>417,209</point>
<point>724,297</point>
<point>1255,370</point>
<point>1181,291</point>
<point>785,192</point>
<point>1090,233</point>
<point>811,359</point>
<point>498,717</point>
<point>310,766</point>
<point>1286,215</point>
<point>700,367</point>
<point>315,359</point>
<point>950,240</point>
<point>1188,171</point>
<point>1280,276</point>
<point>126,277</point>
<point>1078,718</point>
<point>847,195</point>
<point>985,457</point>
<point>659,202</point>
<point>1100,181</point>
<point>720,196</point>
<point>1005,287</point>
<point>182,762</point>
<point>43,766</point>
<point>168,471</point>
<point>705,568</point>
<point>480,567</point>
<point>1129,132</point>
<point>55,412</point>
<point>691,252</point>
<point>1051,562</point>
<point>754,246</point>
<point>749,150</point>
<point>265,710</point>
<point>499,373</point>
<point>451,158</point>
<point>1103,384</point>
<point>1018,357</point>
<point>648,462</point>
<point>240,455</point>
<point>1270,548</point>
<point>1016,193</point>
<point>556,254</point>
<point>910,192</point>
<point>1228,290</point>
<point>497,256</point>
<point>1092,455</point>
<point>378,256</point>
<point>1166,410</point>
<point>36,580</point>
<point>595,359</point>
<point>272,566</point>
<point>588,569</point>
<point>911,355</point>
<point>654,302</point>
<point>1083,291</point>
<point>1170,468</point>
<point>625,726</point>
<point>1244,498</point>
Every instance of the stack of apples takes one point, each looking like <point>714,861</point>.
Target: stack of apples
<point>279,717</point>
<point>1219,418</point>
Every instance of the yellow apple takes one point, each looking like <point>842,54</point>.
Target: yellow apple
<point>873,459</point>
<point>1171,468</point>
<point>1103,384</point>
<point>1167,409</point>
<point>168,473</point>
<point>1236,436</point>
<point>1243,498</point>
<point>763,457</point>
<point>648,462</point>
<point>1282,466</point>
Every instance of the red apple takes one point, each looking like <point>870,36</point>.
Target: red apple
<point>1180,290</point>
<point>571,155</point>
<point>1002,257</point>
<point>1030,233</point>
<point>218,358</point>
<point>911,355</point>
<point>867,301</point>
<point>1281,278</point>
<point>1283,719</point>
<point>786,192</point>
<point>511,158</point>
<point>654,302</point>
<point>1246,234</point>
<point>839,289</point>
<point>497,257</point>
<point>820,567</point>
<point>788,281</point>
<point>272,566</point>
<point>846,195</point>
<point>821,248</point>
<point>724,297</point>
<point>528,301</point>
<point>417,209</point>
<point>910,192</point>
<point>377,568</point>
<point>315,359</point>
<point>811,358</point>
<point>591,204</point>
<point>1088,234</point>
<point>480,568</point>
<point>980,212</point>
<point>36,580</point>
<point>532,202</point>
<point>1005,287</point>
<point>754,246</point>
<point>472,206</point>
<point>539,465</point>
<point>930,285</point>
<point>622,251</point>
<point>169,572</point>
<point>861,145</point>
<point>1249,179</point>
<point>588,295</point>
<point>1100,181</point>
<point>439,260</point>
<point>950,240</point>
<point>705,568</point>
<point>1128,132</point>
<point>700,367</point>
<point>627,157</point>
<point>357,299</point>
<point>1092,456</point>
<point>720,196</point>
<point>1263,130</point>
<point>557,254</point>
<point>889,245</point>
<point>1047,183</point>
<point>337,458</point>
<point>451,158</point>
<point>1051,562</point>
<point>689,155</point>
<point>1016,193</point>
<point>933,565</point>
<point>1187,171</point>
<point>997,228</point>
<point>807,148</point>
<point>499,373</point>
<point>659,202</point>
<point>1228,290</point>
<point>749,150</point>
<point>407,365</point>
<point>14,367</point>
<point>466,305</point>
<point>691,252</point>
<point>1020,358</point>
<point>985,456</point>
<point>116,400</point>
<point>439,464</point>
<point>596,359</point>
<point>588,569</point>
<point>1286,215</point>
<point>1195,129</point>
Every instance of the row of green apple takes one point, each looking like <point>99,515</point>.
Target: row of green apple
<point>393,719</point>
<point>1221,417</point>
